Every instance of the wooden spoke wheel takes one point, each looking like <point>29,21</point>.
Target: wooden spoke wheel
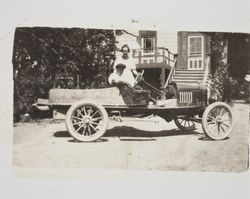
<point>217,121</point>
<point>86,121</point>
<point>184,123</point>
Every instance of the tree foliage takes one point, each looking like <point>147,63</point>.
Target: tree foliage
<point>230,58</point>
<point>239,55</point>
<point>219,67</point>
<point>42,54</point>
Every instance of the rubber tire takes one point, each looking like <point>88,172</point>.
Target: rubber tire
<point>178,124</point>
<point>71,129</point>
<point>204,120</point>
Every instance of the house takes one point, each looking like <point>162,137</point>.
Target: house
<point>183,57</point>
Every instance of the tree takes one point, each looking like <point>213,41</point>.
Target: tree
<point>41,53</point>
<point>220,81</point>
<point>229,64</point>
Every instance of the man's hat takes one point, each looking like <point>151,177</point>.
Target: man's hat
<point>120,66</point>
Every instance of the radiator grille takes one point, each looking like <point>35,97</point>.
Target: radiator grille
<point>185,97</point>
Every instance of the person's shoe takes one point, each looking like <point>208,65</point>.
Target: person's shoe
<point>151,103</point>
<point>160,103</point>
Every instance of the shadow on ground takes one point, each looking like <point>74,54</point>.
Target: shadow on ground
<point>128,133</point>
<point>125,131</point>
<point>205,138</point>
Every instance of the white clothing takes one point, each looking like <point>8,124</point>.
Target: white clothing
<point>127,75</point>
<point>114,78</point>
<point>129,63</point>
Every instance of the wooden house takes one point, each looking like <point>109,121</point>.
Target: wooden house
<point>182,57</point>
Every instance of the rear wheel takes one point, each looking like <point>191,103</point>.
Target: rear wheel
<point>217,121</point>
<point>86,121</point>
<point>184,123</point>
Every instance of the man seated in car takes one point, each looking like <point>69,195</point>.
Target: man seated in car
<point>120,76</point>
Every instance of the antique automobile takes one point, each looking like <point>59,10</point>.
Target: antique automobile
<point>88,110</point>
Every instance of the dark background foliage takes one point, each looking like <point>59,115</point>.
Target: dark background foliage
<point>44,58</point>
<point>228,78</point>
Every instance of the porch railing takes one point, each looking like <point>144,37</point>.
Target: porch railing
<point>171,74</point>
<point>206,82</point>
<point>158,55</point>
<point>206,71</point>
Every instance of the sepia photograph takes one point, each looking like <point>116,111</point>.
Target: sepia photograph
<point>125,99</point>
<point>131,99</point>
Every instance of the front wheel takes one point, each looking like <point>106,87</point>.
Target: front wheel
<point>86,121</point>
<point>217,121</point>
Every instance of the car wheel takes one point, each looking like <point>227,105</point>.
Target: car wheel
<point>86,121</point>
<point>217,121</point>
<point>184,123</point>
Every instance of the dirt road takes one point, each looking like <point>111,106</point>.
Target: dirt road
<point>152,145</point>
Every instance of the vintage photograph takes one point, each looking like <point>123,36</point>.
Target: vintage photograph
<point>143,99</point>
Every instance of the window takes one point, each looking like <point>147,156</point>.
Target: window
<point>148,41</point>
<point>148,44</point>
<point>195,46</point>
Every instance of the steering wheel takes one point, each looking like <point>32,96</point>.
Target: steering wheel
<point>139,77</point>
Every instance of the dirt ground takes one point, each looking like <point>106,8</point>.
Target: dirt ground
<point>152,144</point>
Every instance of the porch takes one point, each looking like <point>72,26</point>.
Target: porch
<point>156,62</point>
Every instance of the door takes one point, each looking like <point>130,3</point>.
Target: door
<point>195,53</point>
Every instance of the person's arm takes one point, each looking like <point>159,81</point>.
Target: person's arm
<point>112,78</point>
<point>135,72</point>
<point>132,66</point>
<point>115,79</point>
